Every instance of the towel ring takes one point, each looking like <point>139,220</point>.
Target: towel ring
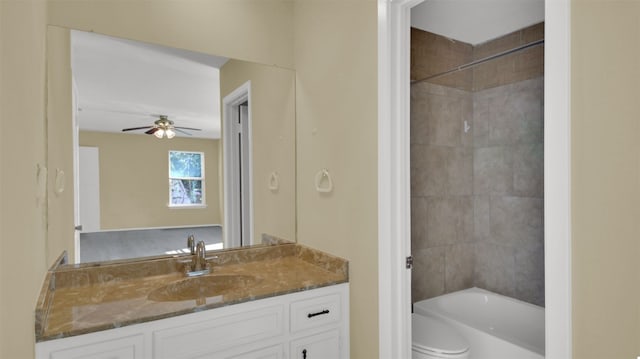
<point>323,177</point>
<point>59,182</point>
<point>274,181</point>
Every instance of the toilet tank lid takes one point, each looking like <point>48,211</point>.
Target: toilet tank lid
<point>432,334</point>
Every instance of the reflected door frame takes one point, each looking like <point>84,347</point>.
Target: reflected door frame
<point>76,171</point>
<point>238,169</point>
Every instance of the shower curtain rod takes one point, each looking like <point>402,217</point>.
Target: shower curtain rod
<point>482,60</point>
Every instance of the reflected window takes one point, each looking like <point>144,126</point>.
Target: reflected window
<point>186,178</point>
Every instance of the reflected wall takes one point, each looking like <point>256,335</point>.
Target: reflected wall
<point>133,181</point>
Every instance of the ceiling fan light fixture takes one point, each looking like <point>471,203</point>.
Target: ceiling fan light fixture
<point>163,128</point>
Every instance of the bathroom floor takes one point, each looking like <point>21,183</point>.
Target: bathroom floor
<point>111,245</point>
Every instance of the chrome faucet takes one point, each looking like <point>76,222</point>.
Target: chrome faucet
<point>200,258</point>
<point>191,243</point>
<point>198,264</point>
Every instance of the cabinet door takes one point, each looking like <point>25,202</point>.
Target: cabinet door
<point>325,345</point>
<point>122,348</point>
<point>271,352</point>
<point>207,338</point>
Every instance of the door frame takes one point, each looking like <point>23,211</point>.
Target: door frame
<point>231,184</point>
<point>76,170</point>
<point>394,211</point>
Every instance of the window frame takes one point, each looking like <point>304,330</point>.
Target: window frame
<point>202,178</point>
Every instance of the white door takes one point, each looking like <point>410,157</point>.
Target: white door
<point>89,189</point>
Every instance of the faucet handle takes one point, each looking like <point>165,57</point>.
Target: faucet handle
<point>191,243</point>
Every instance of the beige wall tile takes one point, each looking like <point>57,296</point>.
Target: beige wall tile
<point>517,222</point>
<point>464,225</point>
<point>429,170</point>
<point>446,115</point>
<point>419,113</point>
<point>442,221</point>
<point>432,54</point>
<point>492,171</point>
<point>418,224</point>
<point>460,171</point>
<point>481,217</point>
<point>533,33</point>
<point>462,80</point>
<point>528,64</point>
<point>467,136</point>
<point>528,170</point>
<point>459,267</point>
<point>480,124</point>
<point>512,68</point>
<point>529,275</point>
<point>501,44</point>
<point>516,115</point>
<point>449,220</point>
<point>427,280</point>
<point>494,268</point>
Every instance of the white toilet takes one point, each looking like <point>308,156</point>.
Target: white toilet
<point>435,339</point>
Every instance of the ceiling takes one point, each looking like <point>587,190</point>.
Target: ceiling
<point>122,84</point>
<point>476,21</point>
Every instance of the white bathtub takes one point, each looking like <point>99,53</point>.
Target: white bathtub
<point>496,327</point>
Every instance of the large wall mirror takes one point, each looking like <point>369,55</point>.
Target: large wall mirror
<point>148,144</point>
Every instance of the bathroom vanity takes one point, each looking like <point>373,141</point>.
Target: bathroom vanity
<point>284,301</point>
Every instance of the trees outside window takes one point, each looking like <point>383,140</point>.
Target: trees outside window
<point>186,178</point>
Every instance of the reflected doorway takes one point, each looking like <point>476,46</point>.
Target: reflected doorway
<point>238,203</point>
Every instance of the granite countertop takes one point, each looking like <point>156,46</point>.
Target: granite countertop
<point>79,299</point>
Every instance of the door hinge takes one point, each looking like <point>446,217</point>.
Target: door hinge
<point>409,262</point>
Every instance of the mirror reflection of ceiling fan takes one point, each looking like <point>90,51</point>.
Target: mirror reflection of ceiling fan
<point>163,127</point>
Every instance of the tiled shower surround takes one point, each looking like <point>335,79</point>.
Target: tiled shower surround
<point>477,190</point>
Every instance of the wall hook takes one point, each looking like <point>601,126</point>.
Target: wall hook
<point>274,181</point>
<point>59,182</point>
<point>324,184</point>
<point>467,126</point>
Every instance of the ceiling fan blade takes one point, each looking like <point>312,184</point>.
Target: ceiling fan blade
<point>178,129</point>
<point>152,131</point>
<point>187,128</point>
<point>135,128</point>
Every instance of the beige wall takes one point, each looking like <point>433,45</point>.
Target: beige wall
<point>60,203</point>
<point>252,30</point>
<point>605,179</point>
<point>273,141</point>
<point>336,100</point>
<point>22,191</point>
<point>134,189</point>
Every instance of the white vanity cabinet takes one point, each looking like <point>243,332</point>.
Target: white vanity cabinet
<point>308,324</point>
